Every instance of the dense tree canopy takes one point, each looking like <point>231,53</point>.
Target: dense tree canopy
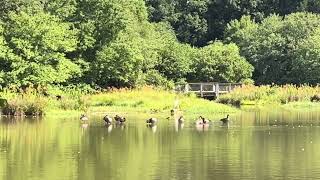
<point>282,50</point>
<point>36,49</point>
<point>211,60</point>
<point>129,43</point>
<point>200,21</point>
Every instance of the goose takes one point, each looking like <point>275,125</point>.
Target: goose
<point>107,119</point>
<point>120,119</point>
<point>181,120</point>
<point>172,112</point>
<point>202,121</point>
<point>84,117</point>
<point>152,121</point>
<point>225,120</point>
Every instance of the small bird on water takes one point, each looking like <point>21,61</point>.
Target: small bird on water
<point>202,121</point>
<point>107,119</point>
<point>172,112</point>
<point>225,120</point>
<point>84,117</point>
<point>152,121</point>
<point>120,119</point>
<point>181,120</point>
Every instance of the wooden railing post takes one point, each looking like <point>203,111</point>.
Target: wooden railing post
<point>186,88</point>
<point>201,90</point>
<point>217,90</point>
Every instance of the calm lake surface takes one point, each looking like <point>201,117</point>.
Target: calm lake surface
<point>272,144</point>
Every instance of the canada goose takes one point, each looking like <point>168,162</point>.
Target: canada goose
<point>181,120</point>
<point>225,120</point>
<point>120,119</point>
<point>59,97</point>
<point>152,121</point>
<point>107,119</point>
<point>202,121</point>
<point>172,112</point>
<point>84,117</point>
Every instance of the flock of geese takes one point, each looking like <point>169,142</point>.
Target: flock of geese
<point>120,120</point>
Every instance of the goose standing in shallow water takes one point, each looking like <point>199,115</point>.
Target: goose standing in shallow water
<point>181,120</point>
<point>84,118</point>
<point>179,123</point>
<point>172,112</point>
<point>225,120</point>
<point>202,121</point>
<point>119,119</point>
<point>107,119</point>
<point>152,121</point>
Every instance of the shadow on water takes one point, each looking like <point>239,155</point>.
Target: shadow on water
<point>274,144</point>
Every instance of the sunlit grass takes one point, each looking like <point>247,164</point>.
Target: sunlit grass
<point>144,100</point>
<point>253,95</point>
<point>152,100</point>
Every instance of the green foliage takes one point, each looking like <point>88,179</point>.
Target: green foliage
<point>306,62</point>
<point>37,47</point>
<point>154,78</point>
<point>29,103</point>
<point>201,21</point>
<point>279,48</point>
<point>251,94</point>
<point>113,43</point>
<point>37,101</point>
<point>220,63</point>
<point>186,17</point>
<point>175,61</point>
<point>119,64</point>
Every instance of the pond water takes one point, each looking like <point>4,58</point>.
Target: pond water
<point>272,144</point>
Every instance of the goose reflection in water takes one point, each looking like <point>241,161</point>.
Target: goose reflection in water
<point>109,127</point>
<point>153,127</point>
<point>84,125</point>
<point>120,126</point>
<point>179,124</point>
<point>202,127</point>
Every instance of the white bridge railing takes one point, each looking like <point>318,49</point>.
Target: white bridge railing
<point>207,89</point>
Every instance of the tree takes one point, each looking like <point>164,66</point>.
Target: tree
<point>119,64</point>
<point>199,22</point>
<point>37,49</point>
<point>306,61</point>
<point>271,45</point>
<point>187,17</point>
<point>175,61</point>
<point>129,59</point>
<point>220,63</point>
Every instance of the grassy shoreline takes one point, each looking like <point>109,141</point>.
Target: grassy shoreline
<point>145,100</point>
<point>288,95</point>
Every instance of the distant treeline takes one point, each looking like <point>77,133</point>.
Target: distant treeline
<point>130,43</point>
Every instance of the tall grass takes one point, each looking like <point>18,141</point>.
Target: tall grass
<point>28,103</point>
<point>34,102</point>
<point>147,99</point>
<point>152,100</point>
<point>250,94</point>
